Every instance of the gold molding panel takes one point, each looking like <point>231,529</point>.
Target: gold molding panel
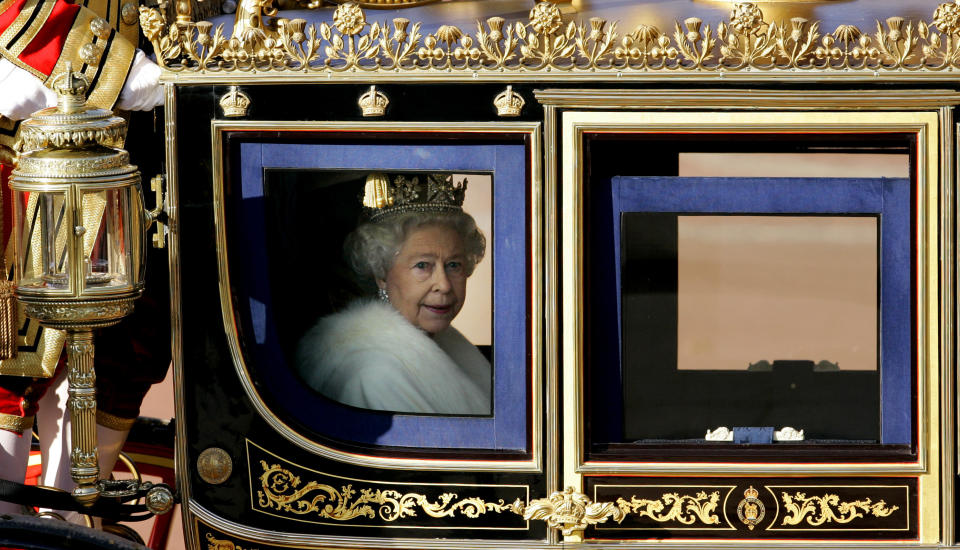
<point>282,488</point>
<point>546,41</point>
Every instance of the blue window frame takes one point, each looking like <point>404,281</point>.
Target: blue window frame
<point>507,428</point>
<point>886,198</point>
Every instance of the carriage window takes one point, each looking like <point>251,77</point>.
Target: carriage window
<point>378,290</point>
<point>751,318</point>
<point>759,298</point>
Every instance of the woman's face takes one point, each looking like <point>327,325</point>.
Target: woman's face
<point>428,280</point>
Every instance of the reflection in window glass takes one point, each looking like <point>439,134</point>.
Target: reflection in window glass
<point>756,290</point>
<point>751,321</point>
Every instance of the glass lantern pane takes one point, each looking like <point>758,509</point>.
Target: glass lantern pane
<point>106,242</point>
<point>44,252</point>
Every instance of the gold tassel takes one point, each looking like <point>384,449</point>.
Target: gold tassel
<point>8,302</point>
<point>376,192</point>
<point>8,320</point>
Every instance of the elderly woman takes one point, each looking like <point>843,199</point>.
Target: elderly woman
<point>398,352</point>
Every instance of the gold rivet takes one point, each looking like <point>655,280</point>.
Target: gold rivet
<point>214,465</point>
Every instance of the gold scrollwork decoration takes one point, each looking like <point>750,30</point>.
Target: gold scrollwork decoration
<point>214,543</point>
<point>817,510</point>
<point>545,41</point>
<point>282,490</point>
<point>685,509</point>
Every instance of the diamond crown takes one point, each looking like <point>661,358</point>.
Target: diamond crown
<point>430,193</point>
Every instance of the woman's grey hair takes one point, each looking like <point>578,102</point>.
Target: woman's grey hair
<point>373,246</point>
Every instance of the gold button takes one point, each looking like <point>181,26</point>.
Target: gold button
<point>90,54</point>
<point>129,13</point>
<point>100,28</point>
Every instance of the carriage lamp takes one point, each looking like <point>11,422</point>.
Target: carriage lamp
<point>80,232</point>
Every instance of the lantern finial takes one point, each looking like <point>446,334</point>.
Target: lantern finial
<point>71,90</point>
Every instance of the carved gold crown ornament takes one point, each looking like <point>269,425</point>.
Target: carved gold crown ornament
<point>373,102</point>
<point>234,103</point>
<point>508,103</point>
<point>545,42</point>
<point>435,193</point>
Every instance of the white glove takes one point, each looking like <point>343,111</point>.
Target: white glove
<point>21,93</point>
<point>142,90</point>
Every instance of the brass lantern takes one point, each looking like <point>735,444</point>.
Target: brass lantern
<point>80,231</point>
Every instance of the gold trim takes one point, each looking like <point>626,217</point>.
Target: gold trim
<point>286,495</point>
<point>120,57</point>
<point>947,323</point>
<point>744,45</point>
<point>196,515</point>
<point>924,124</point>
<point>152,460</point>
<point>14,423</point>
<point>727,99</point>
<point>550,333</point>
<point>531,129</point>
<point>71,314</point>
<point>114,422</point>
<point>27,37</point>
<point>16,26</point>
<point>41,363</point>
<point>75,40</point>
<point>181,452</point>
